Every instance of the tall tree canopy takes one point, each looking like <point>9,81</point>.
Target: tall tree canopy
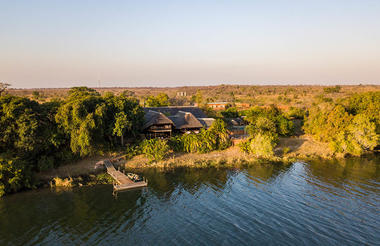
<point>92,120</point>
<point>160,100</point>
<point>35,137</point>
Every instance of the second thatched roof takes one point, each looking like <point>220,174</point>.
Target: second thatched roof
<point>185,120</point>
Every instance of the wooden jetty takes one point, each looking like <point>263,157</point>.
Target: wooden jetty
<point>122,181</point>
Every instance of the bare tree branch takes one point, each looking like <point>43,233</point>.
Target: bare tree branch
<point>3,87</point>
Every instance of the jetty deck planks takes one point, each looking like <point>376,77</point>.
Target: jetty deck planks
<point>122,181</point>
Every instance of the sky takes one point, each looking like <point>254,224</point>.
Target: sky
<point>56,43</point>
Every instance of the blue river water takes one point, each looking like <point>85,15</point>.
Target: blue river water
<point>315,203</point>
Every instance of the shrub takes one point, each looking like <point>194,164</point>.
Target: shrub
<point>359,136</point>
<point>285,150</point>
<point>334,89</point>
<point>262,146</point>
<point>131,151</point>
<point>14,175</point>
<point>218,131</point>
<point>296,113</point>
<point>352,126</point>
<point>263,120</point>
<point>191,142</point>
<point>58,182</point>
<point>231,112</point>
<point>155,149</point>
<point>367,104</point>
<point>245,146</point>
<point>284,126</point>
<point>104,178</point>
<point>215,138</point>
<point>176,143</point>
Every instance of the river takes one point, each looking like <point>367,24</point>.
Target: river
<point>315,203</point>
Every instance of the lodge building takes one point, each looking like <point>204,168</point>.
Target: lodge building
<point>166,121</point>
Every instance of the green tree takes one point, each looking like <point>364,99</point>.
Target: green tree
<point>219,132</point>
<point>160,100</point>
<point>91,121</point>
<point>81,117</point>
<point>122,124</point>
<point>28,129</point>
<point>197,98</point>
<point>364,132</point>
<point>268,120</point>
<point>14,175</point>
<point>365,103</point>
<point>231,112</point>
<point>358,137</point>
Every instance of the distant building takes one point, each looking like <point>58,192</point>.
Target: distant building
<point>181,94</point>
<point>218,105</point>
<point>237,126</point>
<point>242,105</point>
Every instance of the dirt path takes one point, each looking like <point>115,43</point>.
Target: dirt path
<point>78,168</point>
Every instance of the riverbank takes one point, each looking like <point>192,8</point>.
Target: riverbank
<point>288,150</point>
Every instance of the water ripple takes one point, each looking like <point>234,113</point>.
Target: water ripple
<point>299,204</point>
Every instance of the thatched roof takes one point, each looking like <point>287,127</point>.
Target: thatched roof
<point>173,110</point>
<point>235,121</point>
<point>155,118</point>
<point>185,120</point>
<point>206,122</point>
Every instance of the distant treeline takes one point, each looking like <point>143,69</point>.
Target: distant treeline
<point>284,96</point>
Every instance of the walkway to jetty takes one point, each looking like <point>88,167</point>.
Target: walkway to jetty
<point>122,181</point>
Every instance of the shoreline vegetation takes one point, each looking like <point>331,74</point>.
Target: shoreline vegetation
<point>301,149</point>
<point>40,138</point>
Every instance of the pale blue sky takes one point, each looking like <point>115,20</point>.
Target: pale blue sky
<point>167,43</point>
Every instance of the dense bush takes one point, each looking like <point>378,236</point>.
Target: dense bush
<point>176,143</point>
<point>268,120</point>
<point>367,104</point>
<point>214,138</point>
<point>155,149</point>
<point>15,174</point>
<point>359,136</point>
<point>266,124</point>
<point>349,127</point>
